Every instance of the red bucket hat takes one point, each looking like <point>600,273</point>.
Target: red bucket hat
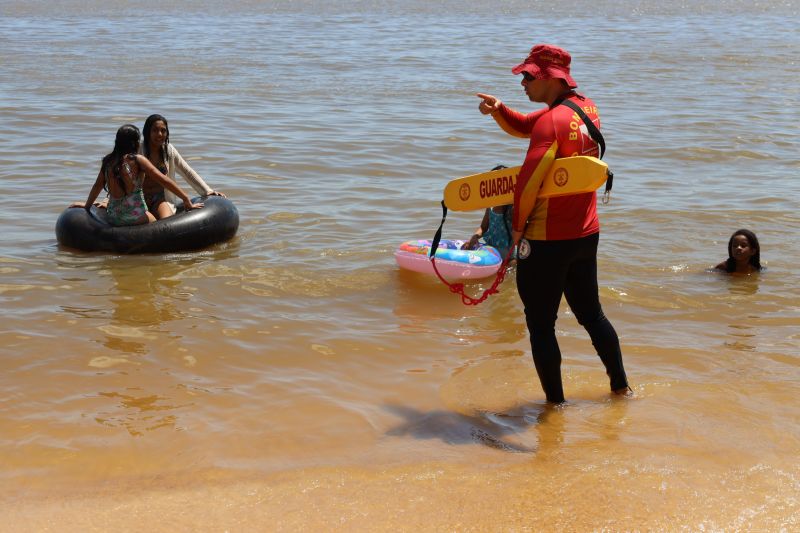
<point>546,62</point>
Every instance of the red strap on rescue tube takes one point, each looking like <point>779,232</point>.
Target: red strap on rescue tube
<point>458,288</point>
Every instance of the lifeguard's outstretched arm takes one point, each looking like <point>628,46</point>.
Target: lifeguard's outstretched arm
<point>491,105</point>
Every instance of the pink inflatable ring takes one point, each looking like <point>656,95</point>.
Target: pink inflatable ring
<point>451,261</point>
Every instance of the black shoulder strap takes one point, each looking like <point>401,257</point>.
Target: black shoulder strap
<point>598,138</point>
<point>593,131</point>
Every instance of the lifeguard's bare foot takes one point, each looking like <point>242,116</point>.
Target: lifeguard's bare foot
<point>627,392</point>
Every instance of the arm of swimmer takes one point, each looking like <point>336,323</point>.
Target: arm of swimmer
<point>153,173</point>
<point>188,173</point>
<point>473,241</point>
<point>93,193</point>
<point>484,223</point>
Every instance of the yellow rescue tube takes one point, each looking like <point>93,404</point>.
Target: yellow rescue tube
<point>568,175</point>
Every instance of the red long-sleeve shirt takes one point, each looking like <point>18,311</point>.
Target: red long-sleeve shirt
<point>554,133</point>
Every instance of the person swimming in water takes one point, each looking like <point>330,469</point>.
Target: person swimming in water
<point>744,254</point>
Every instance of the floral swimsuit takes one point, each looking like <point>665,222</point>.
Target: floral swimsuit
<point>130,209</point>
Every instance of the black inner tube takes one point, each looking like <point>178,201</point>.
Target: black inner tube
<point>217,221</point>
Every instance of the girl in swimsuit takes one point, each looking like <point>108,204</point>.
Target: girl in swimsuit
<point>495,228</point>
<point>163,155</point>
<point>744,254</point>
<point>121,174</point>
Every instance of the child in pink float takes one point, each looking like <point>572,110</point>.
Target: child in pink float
<point>495,228</point>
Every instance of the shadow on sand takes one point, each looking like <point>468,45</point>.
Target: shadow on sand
<point>495,430</point>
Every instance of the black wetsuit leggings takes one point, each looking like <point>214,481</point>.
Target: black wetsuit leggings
<point>565,267</point>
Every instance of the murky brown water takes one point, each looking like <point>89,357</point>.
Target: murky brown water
<point>294,378</point>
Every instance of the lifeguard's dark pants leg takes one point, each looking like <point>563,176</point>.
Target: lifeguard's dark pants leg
<point>569,268</point>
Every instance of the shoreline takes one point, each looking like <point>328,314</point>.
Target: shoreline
<point>530,496</point>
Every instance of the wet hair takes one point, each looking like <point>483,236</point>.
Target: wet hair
<point>755,260</point>
<point>148,126</point>
<point>505,209</point>
<point>125,143</point>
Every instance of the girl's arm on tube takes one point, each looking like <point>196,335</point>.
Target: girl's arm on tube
<point>153,173</point>
<point>188,173</point>
<point>93,193</point>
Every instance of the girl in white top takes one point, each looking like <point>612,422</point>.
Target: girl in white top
<point>165,157</point>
